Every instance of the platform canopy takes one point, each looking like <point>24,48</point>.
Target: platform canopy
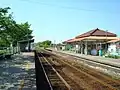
<point>94,35</point>
<point>113,41</point>
<point>26,41</point>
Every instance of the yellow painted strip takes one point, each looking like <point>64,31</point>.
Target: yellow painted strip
<point>21,85</point>
<point>27,67</point>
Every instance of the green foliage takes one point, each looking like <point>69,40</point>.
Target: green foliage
<point>112,56</point>
<point>10,31</point>
<point>44,44</point>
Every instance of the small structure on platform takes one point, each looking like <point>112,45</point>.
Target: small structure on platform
<point>60,46</point>
<point>92,42</point>
<point>26,45</point>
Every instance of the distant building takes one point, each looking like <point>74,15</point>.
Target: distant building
<point>91,41</point>
<point>26,45</point>
<point>60,47</point>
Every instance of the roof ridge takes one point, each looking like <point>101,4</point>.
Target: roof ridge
<point>94,31</point>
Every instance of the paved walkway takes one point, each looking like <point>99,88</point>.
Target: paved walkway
<point>115,62</point>
<point>20,69</point>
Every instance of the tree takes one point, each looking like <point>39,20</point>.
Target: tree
<point>44,44</point>
<point>22,32</point>
<point>10,31</point>
<point>5,20</point>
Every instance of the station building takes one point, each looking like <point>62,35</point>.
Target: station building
<point>93,42</point>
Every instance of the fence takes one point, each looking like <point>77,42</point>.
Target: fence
<point>7,51</point>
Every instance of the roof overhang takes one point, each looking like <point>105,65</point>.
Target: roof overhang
<point>92,38</point>
<point>100,38</point>
<point>113,41</point>
<point>26,41</point>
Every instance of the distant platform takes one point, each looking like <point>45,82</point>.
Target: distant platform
<point>109,61</point>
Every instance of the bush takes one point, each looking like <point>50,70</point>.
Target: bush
<point>113,56</point>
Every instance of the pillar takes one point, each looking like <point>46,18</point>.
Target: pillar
<point>96,45</point>
<point>76,48</point>
<point>18,47</point>
<point>86,48</point>
<point>11,46</point>
<point>81,48</point>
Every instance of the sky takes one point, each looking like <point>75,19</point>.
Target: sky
<point>60,20</point>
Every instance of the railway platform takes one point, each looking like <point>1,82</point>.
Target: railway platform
<point>108,61</point>
<point>18,72</point>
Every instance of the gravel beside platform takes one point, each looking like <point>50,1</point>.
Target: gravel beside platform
<point>20,68</point>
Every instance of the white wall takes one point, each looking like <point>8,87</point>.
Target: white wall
<point>112,47</point>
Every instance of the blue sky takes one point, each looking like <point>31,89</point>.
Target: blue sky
<point>60,20</point>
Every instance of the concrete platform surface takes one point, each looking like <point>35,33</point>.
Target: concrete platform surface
<point>110,61</point>
<point>17,72</point>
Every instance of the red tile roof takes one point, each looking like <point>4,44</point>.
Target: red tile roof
<point>74,40</point>
<point>97,32</point>
<point>68,40</point>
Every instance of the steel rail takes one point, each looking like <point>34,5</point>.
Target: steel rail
<point>61,78</point>
<point>45,73</point>
<point>108,80</point>
<point>94,78</point>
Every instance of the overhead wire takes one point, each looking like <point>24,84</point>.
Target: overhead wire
<point>68,7</point>
<point>59,6</point>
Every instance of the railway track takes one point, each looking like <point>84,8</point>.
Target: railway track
<point>86,74</point>
<point>56,79</point>
<point>112,71</point>
<point>97,74</point>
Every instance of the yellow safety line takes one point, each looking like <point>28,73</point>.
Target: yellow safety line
<point>21,85</point>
